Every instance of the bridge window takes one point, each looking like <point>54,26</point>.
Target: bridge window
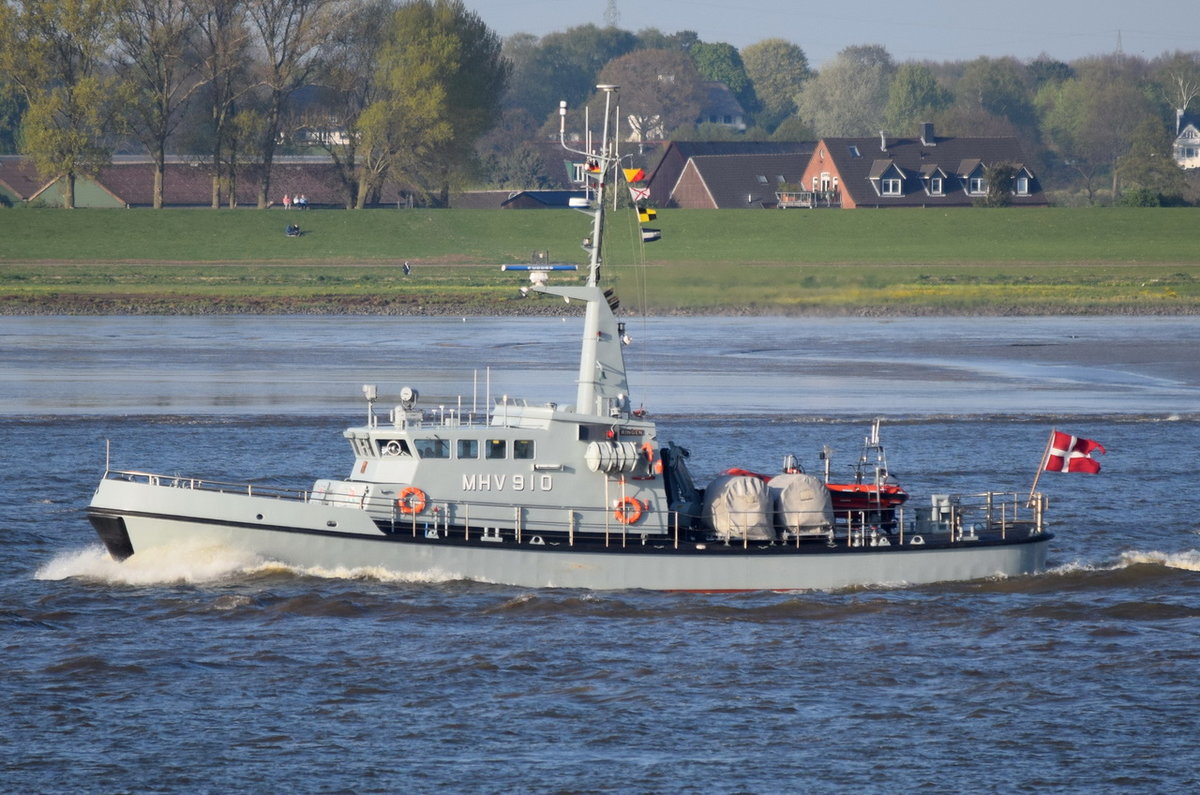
<point>433,448</point>
<point>523,449</point>
<point>497,448</point>
<point>468,448</point>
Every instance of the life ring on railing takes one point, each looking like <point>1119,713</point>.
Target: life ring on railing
<point>411,500</point>
<point>629,510</point>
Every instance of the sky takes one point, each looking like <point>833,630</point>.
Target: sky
<point>936,30</point>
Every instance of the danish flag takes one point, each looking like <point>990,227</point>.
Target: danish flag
<point>1069,453</point>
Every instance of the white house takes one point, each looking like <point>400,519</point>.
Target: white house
<point>1187,140</point>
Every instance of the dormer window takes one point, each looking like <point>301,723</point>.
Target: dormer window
<point>891,187</point>
<point>977,186</point>
<point>936,186</point>
<point>1021,184</point>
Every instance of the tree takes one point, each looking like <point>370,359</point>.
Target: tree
<point>778,69</point>
<point>660,91</point>
<point>1090,119</point>
<point>1178,79</point>
<point>999,178</point>
<point>442,77</point>
<point>1047,70</point>
<point>152,49</point>
<point>511,161</point>
<point>999,86</point>
<point>289,33</point>
<point>475,82</point>
<point>222,43</point>
<point>12,108</point>
<point>793,128</point>
<point>722,62</point>
<point>655,39</point>
<point>561,66</point>
<point>54,54</point>
<point>914,97</point>
<point>848,97</point>
<point>1148,164</point>
<point>351,83</point>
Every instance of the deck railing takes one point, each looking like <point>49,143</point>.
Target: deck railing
<point>957,518</point>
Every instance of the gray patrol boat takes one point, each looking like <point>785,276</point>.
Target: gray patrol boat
<point>577,496</point>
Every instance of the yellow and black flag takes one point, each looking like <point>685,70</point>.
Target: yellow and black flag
<point>646,214</point>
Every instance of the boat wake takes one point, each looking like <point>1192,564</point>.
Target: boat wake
<point>194,565</point>
<point>1188,560</point>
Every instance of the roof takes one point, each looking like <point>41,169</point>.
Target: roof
<point>720,101</point>
<point>665,172</point>
<point>514,199</point>
<point>690,149</point>
<point>953,159</point>
<point>18,174</point>
<point>743,180</point>
<point>188,181</point>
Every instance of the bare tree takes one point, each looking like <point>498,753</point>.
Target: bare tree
<point>152,59</point>
<point>222,47</point>
<point>349,81</point>
<point>1179,80</point>
<point>289,33</point>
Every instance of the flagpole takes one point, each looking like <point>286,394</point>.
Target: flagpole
<point>1041,465</point>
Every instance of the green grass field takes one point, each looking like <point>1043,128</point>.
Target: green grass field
<point>1111,260</point>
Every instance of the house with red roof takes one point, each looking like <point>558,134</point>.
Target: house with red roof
<point>925,171</point>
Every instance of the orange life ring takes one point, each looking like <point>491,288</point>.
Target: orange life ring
<point>629,510</point>
<point>411,500</point>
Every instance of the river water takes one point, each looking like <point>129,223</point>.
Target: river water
<point>206,672</point>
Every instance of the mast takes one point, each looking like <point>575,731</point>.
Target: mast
<point>603,387</point>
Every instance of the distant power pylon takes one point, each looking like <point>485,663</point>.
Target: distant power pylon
<point>612,17</point>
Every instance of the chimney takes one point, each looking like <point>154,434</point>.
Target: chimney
<point>882,141</point>
<point>927,136</point>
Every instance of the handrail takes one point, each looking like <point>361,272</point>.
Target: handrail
<point>963,518</point>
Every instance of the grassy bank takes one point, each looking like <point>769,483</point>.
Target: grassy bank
<point>1054,261</point>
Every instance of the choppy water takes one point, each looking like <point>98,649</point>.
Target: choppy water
<point>208,672</point>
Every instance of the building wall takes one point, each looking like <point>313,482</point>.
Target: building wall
<point>1188,143</point>
<point>818,168</point>
<point>690,192</point>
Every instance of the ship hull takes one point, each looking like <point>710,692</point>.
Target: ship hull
<point>133,517</point>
